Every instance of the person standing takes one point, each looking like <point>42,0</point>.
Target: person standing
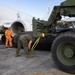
<point>24,40</point>
<point>8,34</point>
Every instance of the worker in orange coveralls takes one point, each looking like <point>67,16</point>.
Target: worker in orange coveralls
<point>8,34</point>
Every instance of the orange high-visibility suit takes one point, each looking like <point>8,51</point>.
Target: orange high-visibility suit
<point>8,34</point>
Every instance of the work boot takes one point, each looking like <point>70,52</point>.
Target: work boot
<point>18,55</point>
<point>28,56</point>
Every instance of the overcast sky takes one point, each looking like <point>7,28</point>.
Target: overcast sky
<point>36,8</point>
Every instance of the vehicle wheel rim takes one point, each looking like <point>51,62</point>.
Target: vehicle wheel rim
<point>66,53</point>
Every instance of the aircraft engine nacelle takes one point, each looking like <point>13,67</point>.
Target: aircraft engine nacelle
<point>18,26</point>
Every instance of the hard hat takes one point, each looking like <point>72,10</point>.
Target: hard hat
<point>42,34</point>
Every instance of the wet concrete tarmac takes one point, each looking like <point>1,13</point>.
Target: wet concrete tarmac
<point>40,64</point>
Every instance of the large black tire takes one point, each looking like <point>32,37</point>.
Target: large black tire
<point>63,52</point>
<point>15,40</point>
<point>3,39</point>
<point>45,43</point>
<point>16,37</point>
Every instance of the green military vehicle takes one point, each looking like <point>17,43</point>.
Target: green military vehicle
<point>59,35</point>
<point>63,34</point>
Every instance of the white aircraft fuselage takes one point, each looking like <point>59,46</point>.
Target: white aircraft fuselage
<point>15,19</point>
